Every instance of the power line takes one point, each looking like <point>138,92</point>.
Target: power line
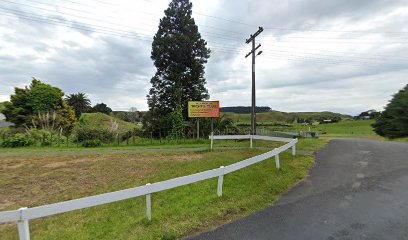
<point>212,34</point>
<point>78,27</point>
<point>234,21</point>
<point>119,33</point>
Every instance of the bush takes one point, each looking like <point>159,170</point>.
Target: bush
<point>19,140</point>
<point>91,143</point>
<point>393,121</point>
<point>89,133</point>
<point>43,136</point>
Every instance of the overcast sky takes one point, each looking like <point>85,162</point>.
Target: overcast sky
<point>343,56</point>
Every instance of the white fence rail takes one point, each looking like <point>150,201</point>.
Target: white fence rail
<point>23,215</point>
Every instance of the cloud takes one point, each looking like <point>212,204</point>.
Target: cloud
<point>355,64</point>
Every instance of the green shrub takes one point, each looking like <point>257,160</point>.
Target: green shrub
<point>89,133</point>
<point>127,135</point>
<point>91,143</point>
<point>19,140</point>
<point>44,137</point>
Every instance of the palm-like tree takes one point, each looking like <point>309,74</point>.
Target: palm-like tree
<point>80,102</point>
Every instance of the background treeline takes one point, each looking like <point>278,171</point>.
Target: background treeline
<point>245,110</point>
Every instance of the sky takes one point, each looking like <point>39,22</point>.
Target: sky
<point>341,56</point>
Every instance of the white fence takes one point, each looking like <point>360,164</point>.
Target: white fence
<point>23,215</point>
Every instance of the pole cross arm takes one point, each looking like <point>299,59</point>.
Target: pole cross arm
<point>252,51</point>
<point>254,35</point>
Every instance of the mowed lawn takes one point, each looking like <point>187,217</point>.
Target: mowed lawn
<point>33,180</point>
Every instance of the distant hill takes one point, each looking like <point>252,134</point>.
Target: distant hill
<point>242,109</point>
<point>105,121</point>
<point>283,117</point>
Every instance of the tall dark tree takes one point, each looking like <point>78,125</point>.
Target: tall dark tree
<point>393,121</point>
<point>80,102</point>
<point>101,108</point>
<point>179,54</point>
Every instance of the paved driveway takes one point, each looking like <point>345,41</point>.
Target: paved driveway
<point>358,189</point>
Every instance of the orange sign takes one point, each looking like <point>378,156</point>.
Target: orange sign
<point>210,109</point>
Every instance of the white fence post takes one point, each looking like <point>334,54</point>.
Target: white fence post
<point>22,226</point>
<point>250,139</point>
<point>220,182</point>
<point>277,161</point>
<point>148,205</point>
<point>294,150</point>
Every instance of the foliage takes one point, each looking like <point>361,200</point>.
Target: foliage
<point>91,143</point>
<point>18,110</point>
<point>2,106</point>
<point>79,102</point>
<point>177,123</point>
<point>393,121</point>
<point>43,98</point>
<point>370,114</point>
<point>90,133</point>
<point>66,118</point>
<point>179,54</point>
<point>45,137</point>
<point>28,104</point>
<point>101,108</point>
<point>19,140</point>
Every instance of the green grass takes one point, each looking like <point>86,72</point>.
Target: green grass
<point>281,117</point>
<point>357,129</point>
<point>139,145</point>
<point>102,120</point>
<point>176,213</point>
<point>344,129</point>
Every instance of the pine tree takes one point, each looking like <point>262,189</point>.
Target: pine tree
<point>393,121</point>
<point>179,54</point>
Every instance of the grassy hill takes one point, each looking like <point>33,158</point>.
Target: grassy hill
<point>282,117</point>
<point>105,121</point>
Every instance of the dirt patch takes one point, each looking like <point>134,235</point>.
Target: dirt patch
<point>55,164</point>
<point>186,158</point>
<point>37,180</point>
<point>14,166</point>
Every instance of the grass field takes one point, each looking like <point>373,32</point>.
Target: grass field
<point>39,179</point>
<point>344,129</point>
<point>140,144</point>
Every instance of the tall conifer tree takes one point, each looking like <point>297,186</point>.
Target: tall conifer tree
<point>179,54</point>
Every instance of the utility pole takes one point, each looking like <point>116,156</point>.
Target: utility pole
<point>252,39</point>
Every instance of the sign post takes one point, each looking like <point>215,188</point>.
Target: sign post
<point>204,109</point>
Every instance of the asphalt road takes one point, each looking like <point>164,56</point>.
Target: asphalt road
<point>358,189</point>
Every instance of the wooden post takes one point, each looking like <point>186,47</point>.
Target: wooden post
<point>212,132</point>
<point>198,128</point>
